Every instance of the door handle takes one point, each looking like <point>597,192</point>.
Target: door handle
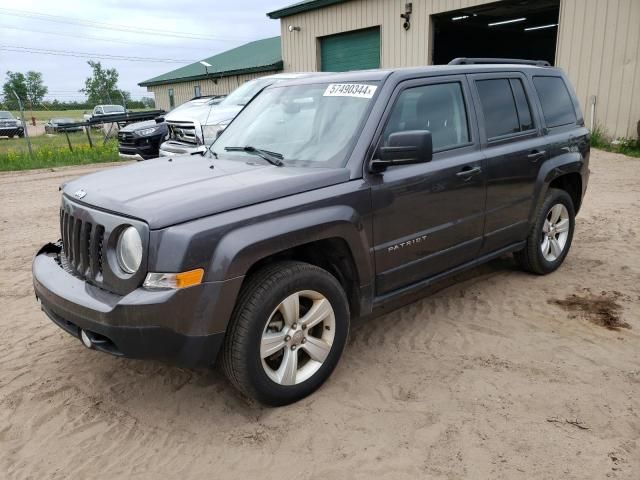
<point>536,155</point>
<point>468,172</point>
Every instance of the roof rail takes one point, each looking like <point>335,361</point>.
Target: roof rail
<point>474,61</point>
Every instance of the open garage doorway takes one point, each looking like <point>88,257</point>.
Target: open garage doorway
<point>524,29</point>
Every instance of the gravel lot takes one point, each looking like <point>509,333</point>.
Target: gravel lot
<point>496,375</point>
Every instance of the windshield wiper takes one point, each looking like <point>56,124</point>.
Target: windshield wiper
<point>274,158</point>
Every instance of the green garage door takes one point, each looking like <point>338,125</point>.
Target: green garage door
<point>358,50</point>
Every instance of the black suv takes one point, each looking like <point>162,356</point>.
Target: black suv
<point>141,140</point>
<point>325,199</point>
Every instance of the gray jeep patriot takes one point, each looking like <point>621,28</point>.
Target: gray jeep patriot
<point>327,198</point>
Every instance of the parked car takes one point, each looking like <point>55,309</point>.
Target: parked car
<point>9,125</point>
<point>60,124</point>
<point>193,128</point>
<point>102,112</point>
<point>325,199</point>
<point>141,140</point>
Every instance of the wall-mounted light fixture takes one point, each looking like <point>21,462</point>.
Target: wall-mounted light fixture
<point>406,16</point>
<point>206,70</point>
<point>293,29</point>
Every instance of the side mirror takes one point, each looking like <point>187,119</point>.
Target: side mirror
<point>404,148</point>
<point>159,119</point>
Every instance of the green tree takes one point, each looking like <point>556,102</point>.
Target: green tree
<point>102,85</point>
<point>15,81</point>
<point>36,90</point>
<point>148,102</point>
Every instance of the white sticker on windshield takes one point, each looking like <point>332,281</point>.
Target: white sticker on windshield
<point>359,90</point>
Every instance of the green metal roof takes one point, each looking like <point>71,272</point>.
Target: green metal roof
<point>258,56</point>
<point>303,6</point>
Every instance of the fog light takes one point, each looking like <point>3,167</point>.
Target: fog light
<point>174,280</point>
<point>86,341</point>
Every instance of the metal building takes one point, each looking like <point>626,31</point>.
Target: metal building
<point>216,75</point>
<point>595,41</point>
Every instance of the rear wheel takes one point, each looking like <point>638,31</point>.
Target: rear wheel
<point>550,238</point>
<point>287,333</point>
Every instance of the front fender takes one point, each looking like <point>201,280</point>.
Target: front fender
<point>240,248</point>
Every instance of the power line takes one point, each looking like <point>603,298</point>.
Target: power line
<point>104,56</point>
<point>100,39</point>
<point>112,26</point>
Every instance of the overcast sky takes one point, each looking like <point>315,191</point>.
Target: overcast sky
<point>67,26</point>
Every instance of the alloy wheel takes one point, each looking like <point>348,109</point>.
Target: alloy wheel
<point>555,232</point>
<point>297,337</point>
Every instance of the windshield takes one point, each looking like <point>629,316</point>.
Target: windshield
<point>245,92</point>
<point>5,115</point>
<point>112,108</point>
<point>308,125</point>
<point>61,120</point>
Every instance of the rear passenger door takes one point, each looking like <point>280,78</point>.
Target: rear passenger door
<point>514,145</point>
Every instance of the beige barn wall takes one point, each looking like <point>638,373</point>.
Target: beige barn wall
<point>184,91</point>
<point>597,46</point>
<point>398,48</point>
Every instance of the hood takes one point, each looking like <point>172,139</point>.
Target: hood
<point>166,192</point>
<point>205,114</point>
<point>132,127</point>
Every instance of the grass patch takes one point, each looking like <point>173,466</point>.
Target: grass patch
<point>48,141</point>
<point>53,151</point>
<point>626,146</point>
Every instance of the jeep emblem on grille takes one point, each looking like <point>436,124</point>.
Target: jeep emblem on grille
<point>80,194</point>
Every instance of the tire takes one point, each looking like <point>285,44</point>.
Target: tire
<point>261,314</point>
<point>542,257</point>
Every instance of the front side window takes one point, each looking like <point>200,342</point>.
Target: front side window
<point>172,101</point>
<point>557,106</point>
<point>312,125</point>
<point>439,108</point>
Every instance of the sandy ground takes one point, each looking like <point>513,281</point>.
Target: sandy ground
<point>498,375</point>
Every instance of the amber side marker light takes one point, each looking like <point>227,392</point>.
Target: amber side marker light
<point>174,280</point>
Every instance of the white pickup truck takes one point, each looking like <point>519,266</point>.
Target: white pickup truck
<point>103,111</point>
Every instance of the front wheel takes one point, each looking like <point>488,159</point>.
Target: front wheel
<point>550,237</point>
<point>287,333</point>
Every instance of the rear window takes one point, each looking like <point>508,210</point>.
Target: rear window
<point>557,106</point>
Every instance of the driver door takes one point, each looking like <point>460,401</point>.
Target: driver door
<point>429,217</point>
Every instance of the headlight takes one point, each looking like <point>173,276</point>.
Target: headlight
<point>146,131</point>
<point>129,250</point>
<point>211,132</point>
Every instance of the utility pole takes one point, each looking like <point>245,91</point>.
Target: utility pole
<point>24,125</point>
<point>124,100</point>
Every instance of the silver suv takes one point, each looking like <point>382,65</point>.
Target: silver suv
<point>193,128</point>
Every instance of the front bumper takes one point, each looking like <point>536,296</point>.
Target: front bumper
<point>11,131</point>
<point>171,148</point>
<point>179,326</point>
<point>141,147</point>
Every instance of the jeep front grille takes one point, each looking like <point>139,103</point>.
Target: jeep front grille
<point>82,246</point>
